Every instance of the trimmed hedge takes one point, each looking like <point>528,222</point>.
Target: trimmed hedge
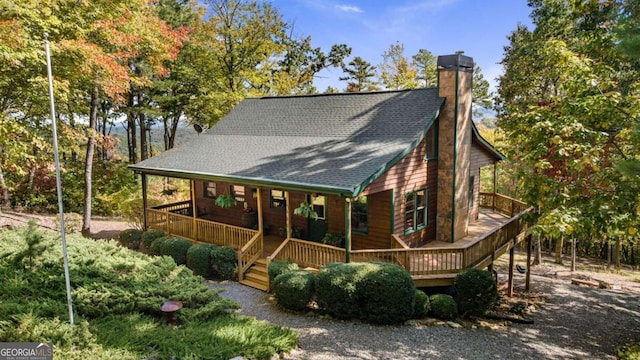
<point>150,235</point>
<point>224,262</point>
<point>476,292</point>
<point>443,307</point>
<point>337,291</point>
<point>157,245</point>
<point>176,248</point>
<point>387,294</point>
<point>422,306</point>
<point>199,259</point>
<point>294,289</point>
<point>279,267</point>
<point>130,238</point>
<point>376,292</point>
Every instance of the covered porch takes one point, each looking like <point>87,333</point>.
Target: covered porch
<point>501,225</point>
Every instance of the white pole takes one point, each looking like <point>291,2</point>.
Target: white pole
<point>58,185</point>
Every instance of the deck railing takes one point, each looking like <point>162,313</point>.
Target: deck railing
<point>249,253</point>
<point>422,262</point>
<point>307,253</point>
<point>200,230</point>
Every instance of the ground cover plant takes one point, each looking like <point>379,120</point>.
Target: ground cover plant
<point>117,295</point>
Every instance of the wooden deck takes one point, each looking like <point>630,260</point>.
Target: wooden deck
<point>499,227</point>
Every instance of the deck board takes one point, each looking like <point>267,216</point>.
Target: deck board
<point>487,222</point>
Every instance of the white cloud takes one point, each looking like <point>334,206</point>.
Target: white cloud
<point>349,8</point>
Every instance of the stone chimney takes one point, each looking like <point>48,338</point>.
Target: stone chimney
<point>455,73</point>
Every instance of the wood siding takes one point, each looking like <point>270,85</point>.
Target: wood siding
<point>479,158</point>
<point>410,173</point>
<point>379,216</point>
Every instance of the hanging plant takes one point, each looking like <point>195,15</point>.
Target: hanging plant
<point>225,201</point>
<point>306,210</point>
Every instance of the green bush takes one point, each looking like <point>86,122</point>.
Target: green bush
<point>157,245</point>
<point>280,267</point>
<point>150,235</point>
<point>33,306</point>
<point>131,238</point>
<point>443,307</point>
<point>176,248</point>
<point>422,306</point>
<point>387,294</point>
<point>294,289</point>
<point>199,259</point>
<point>224,262</point>
<point>476,292</point>
<point>337,288</point>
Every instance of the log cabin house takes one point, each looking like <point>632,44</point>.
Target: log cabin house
<point>392,176</point>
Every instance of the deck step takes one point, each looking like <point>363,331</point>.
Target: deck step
<point>257,276</point>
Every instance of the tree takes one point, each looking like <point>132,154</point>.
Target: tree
<point>480,94</point>
<point>396,71</point>
<point>427,69</point>
<point>360,74</point>
<point>566,106</point>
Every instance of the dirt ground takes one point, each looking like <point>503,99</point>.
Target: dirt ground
<point>101,228</point>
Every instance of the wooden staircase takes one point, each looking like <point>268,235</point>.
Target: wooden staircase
<point>257,276</point>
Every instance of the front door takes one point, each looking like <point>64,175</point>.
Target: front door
<point>318,227</point>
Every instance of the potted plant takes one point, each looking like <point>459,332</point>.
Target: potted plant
<point>225,201</point>
<point>306,210</point>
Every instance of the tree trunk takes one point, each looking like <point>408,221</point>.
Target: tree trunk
<point>88,168</point>
<point>537,258</point>
<point>142,122</point>
<point>131,131</point>
<point>618,252</point>
<point>170,129</point>
<point>5,189</point>
<point>559,244</point>
<point>573,254</point>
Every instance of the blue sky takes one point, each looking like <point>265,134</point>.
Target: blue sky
<point>477,27</point>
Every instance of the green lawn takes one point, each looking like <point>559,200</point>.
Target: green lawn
<point>117,295</point>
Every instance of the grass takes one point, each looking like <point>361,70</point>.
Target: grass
<point>117,295</point>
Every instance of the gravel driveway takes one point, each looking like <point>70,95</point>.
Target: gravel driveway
<point>575,323</point>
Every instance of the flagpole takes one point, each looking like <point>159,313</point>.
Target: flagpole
<point>58,184</point>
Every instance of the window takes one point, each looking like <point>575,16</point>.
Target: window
<point>319,204</point>
<point>237,191</point>
<point>415,211</point>
<point>360,215</point>
<point>431,142</point>
<point>209,189</point>
<point>278,200</point>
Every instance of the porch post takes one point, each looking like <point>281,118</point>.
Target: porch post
<point>347,230</point>
<point>527,283</point>
<point>194,209</point>
<point>144,201</point>
<point>286,199</point>
<point>510,285</point>
<point>259,204</point>
<point>495,177</point>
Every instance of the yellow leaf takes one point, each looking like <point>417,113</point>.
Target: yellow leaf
<point>632,230</point>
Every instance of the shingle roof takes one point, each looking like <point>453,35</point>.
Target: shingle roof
<point>329,142</point>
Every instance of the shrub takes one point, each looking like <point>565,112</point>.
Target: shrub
<point>280,267</point>
<point>157,245</point>
<point>150,235</point>
<point>131,238</point>
<point>176,248</point>
<point>224,262</point>
<point>387,294</point>
<point>337,288</point>
<point>443,307</point>
<point>476,292</point>
<point>199,259</point>
<point>294,289</point>
<point>422,306</point>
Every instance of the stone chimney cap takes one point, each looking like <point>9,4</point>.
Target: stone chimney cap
<point>458,61</point>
